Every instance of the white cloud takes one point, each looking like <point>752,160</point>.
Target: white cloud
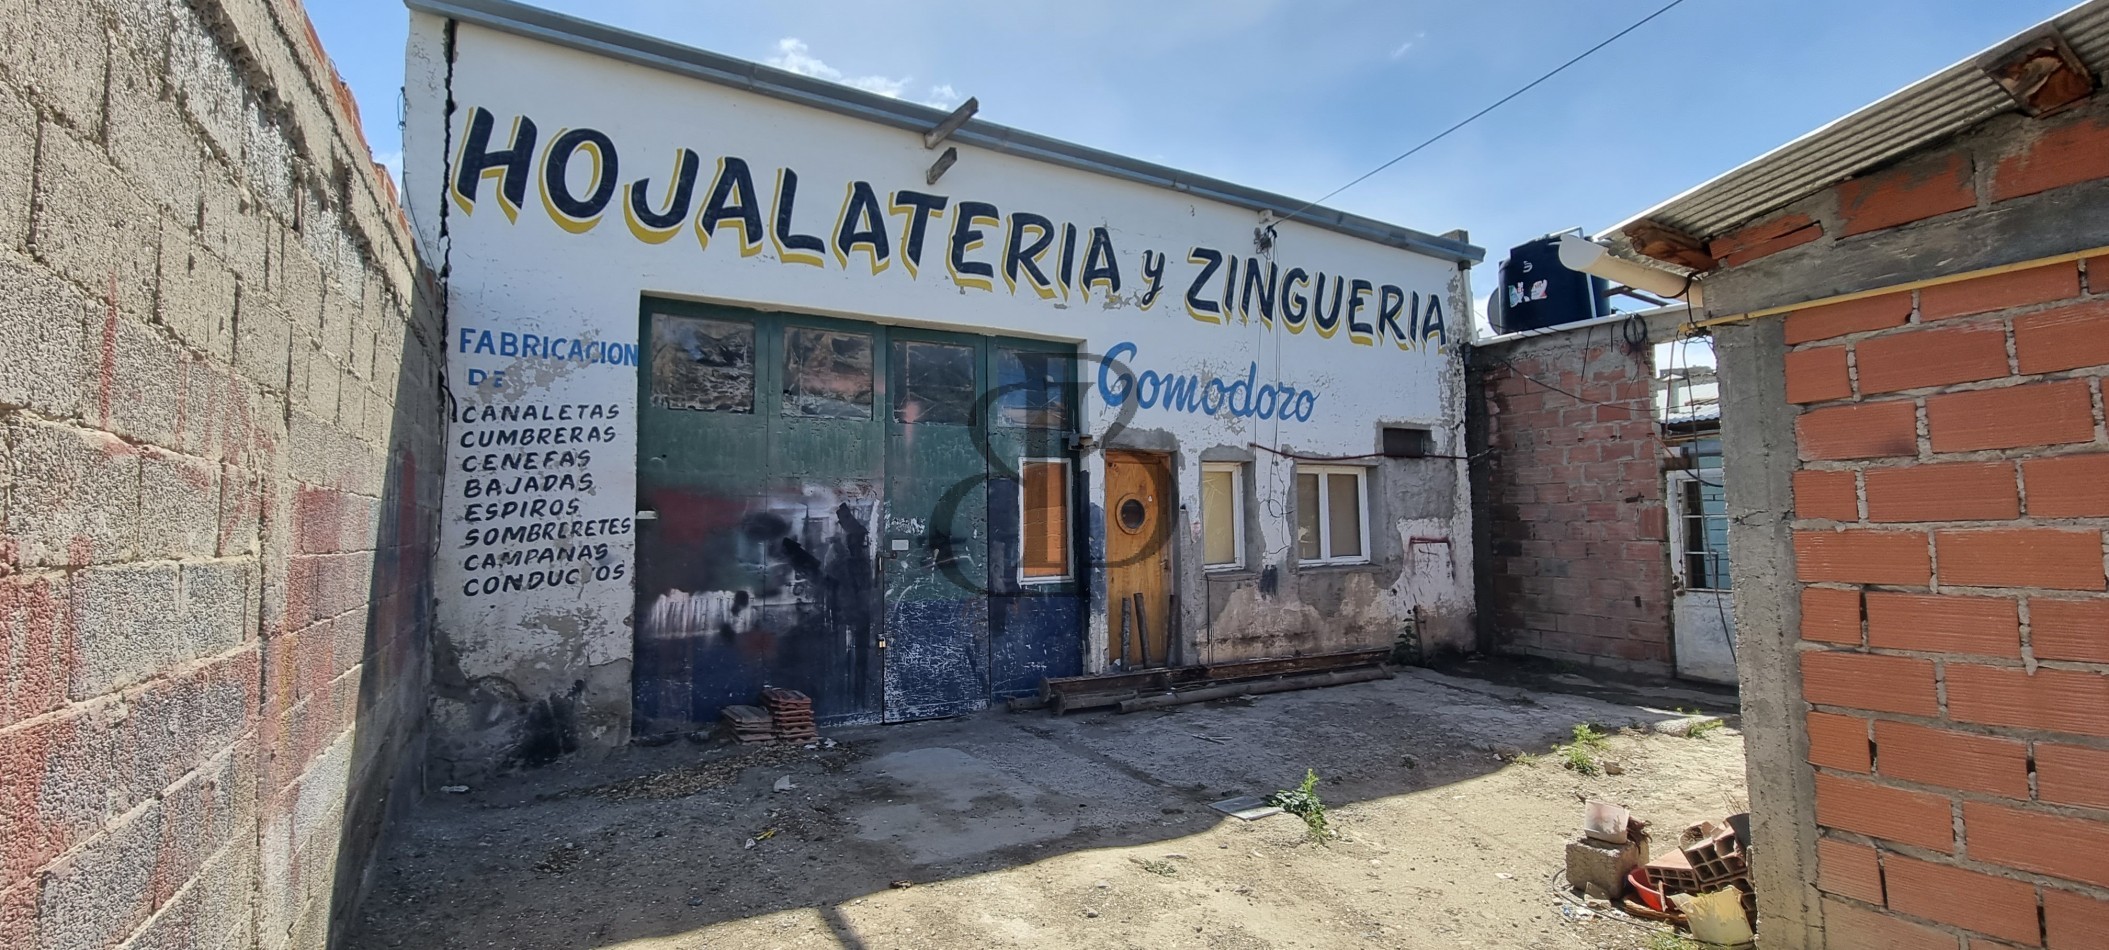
<point>1400,52</point>
<point>944,96</point>
<point>794,55</point>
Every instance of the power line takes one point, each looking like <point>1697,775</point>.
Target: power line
<point>1476,115</point>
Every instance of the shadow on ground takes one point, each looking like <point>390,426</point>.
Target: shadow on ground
<point>652,848</point>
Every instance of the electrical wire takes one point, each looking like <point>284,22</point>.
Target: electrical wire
<point>1284,453</point>
<point>1678,355</point>
<point>1504,100</point>
<point>1728,634</point>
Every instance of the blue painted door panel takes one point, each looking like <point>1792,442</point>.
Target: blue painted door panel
<point>937,528</point>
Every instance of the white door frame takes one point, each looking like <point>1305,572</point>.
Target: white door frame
<point>1703,619</point>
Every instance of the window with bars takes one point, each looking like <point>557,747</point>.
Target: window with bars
<point>1702,505</point>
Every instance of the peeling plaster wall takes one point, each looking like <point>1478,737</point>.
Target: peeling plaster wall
<point>1284,608</point>
<point>219,440</point>
<point>526,667</point>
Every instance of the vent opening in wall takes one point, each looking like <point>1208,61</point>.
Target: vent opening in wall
<point>1402,442</point>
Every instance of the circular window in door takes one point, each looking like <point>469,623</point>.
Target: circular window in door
<point>1132,514</point>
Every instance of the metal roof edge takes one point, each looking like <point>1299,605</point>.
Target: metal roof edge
<point>1968,64</point>
<point>636,48</point>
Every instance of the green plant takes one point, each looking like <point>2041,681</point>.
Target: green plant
<point>1580,755</point>
<point>1703,728</point>
<point>1303,803</point>
<point>1673,941</point>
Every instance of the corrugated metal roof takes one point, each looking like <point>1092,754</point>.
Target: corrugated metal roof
<point>1709,413</point>
<point>1941,105</point>
<point>584,35</point>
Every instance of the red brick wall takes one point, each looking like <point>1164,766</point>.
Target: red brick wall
<point>1950,502</point>
<point>1575,563</point>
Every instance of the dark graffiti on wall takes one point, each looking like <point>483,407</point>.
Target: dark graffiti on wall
<point>736,592</point>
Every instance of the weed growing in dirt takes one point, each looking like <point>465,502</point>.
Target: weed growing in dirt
<point>1703,728</point>
<point>1674,941</point>
<point>1303,803</point>
<point>1580,755</point>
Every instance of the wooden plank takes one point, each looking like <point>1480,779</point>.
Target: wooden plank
<point>1254,688</point>
<point>1171,677</point>
<point>1140,679</point>
<point>1247,669</point>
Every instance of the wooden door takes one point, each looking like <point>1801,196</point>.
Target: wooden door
<point>1140,504</point>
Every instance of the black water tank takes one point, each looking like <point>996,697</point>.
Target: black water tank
<point>1537,291</point>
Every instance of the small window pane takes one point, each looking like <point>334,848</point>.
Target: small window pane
<point>1344,510</point>
<point>1307,511</point>
<point>827,374</point>
<point>1033,389</point>
<point>1219,530</point>
<point>934,384</point>
<point>1044,488</point>
<point>1705,540</point>
<point>702,365</point>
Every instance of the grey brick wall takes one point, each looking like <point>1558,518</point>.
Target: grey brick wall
<point>219,479</point>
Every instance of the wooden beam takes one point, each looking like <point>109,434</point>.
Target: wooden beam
<point>942,165</point>
<point>951,124</point>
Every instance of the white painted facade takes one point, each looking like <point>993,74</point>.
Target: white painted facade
<point>535,282</point>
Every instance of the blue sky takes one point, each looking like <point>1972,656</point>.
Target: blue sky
<point>1300,96</point>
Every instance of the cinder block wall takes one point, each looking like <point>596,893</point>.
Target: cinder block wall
<point>1574,563</point>
<point>1950,480</point>
<point>219,428</point>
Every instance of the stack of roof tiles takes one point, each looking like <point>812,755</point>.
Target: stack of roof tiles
<point>792,712</point>
<point>1709,859</point>
<point>749,723</point>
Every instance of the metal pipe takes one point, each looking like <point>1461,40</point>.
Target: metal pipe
<point>1596,260</point>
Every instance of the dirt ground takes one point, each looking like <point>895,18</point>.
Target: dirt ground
<point>1094,830</point>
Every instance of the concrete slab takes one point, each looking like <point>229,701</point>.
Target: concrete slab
<point>953,804</point>
<point>1246,808</point>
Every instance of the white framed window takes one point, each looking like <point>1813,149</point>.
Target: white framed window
<point>1043,521</point>
<point>1332,514</point>
<point>1222,516</point>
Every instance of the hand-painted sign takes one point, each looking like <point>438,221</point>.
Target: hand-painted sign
<point>525,479</point>
<point>1202,393</point>
<point>1026,250</point>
